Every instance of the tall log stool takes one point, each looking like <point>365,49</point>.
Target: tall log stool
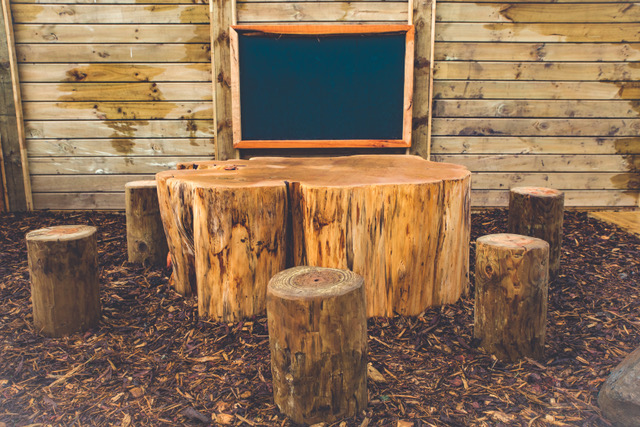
<point>146,241</point>
<point>511,295</point>
<point>63,265</point>
<point>318,339</point>
<point>538,212</point>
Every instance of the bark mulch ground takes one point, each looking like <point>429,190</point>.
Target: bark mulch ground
<point>152,361</point>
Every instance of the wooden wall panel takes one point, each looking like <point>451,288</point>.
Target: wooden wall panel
<point>543,93</point>
<point>113,91</point>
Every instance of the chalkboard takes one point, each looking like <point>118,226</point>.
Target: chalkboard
<point>321,86</point>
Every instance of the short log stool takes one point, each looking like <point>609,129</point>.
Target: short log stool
<point>146,241</point>
<point>318,340</point>
<point>511,295</point>
<point>539,212</point>
<point>63,265</point>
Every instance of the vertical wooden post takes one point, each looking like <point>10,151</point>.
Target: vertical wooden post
<point>423,21</point>
<point>12,135</point>
<point>222,14</point>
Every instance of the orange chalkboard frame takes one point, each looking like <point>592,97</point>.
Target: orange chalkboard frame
<point>408,30</point>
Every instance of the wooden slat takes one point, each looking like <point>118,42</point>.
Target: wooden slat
<point>97,33</point>
<point>535,12</point>
<point>543,163</point>
<point>536,108</point>
<point>457,89</point>
<point>223,15</point>
<point>120,129</point>
<point>116,91</point>
<point>628,221</point>
<point>105,165</point>
<point>83,183</point>
<point>538,32</point>
<point>536,127</point>
<point>117,110</point>
<point>323,12</point>
<point>559,181</point>
<point>189,2</point>
<point>580,52</point>
<point>109,14</point>
<point>70,201</point>
<point>552,71</point>
<point>576,198</point>
<point>70,53</point>
<point>535,145</point>
<point>119,147</point>
<point>73,72</point>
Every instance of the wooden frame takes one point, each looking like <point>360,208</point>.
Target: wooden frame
<point>408,30</point>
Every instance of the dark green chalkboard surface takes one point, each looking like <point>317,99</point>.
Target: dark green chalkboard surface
<point>310,86</point>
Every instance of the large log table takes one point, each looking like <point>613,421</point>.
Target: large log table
<point>400,221</point>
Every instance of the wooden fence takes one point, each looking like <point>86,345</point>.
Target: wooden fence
<point>524,93</point>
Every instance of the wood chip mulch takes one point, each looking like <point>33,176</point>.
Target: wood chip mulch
<point>153,362</point>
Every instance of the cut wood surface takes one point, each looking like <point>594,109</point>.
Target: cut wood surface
<point>318,340</point>
<point>146,242</point>
<point>336,202</point>
<point>539,212</point>
<point>63,265</point>
<point>510,316</point>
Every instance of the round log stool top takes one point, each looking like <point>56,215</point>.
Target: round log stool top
<point>63,266</point>
<point>511,295</point>
<point>318,341</point>
<point>539,212</point>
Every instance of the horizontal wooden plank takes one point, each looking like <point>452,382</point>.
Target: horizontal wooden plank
<point>536,12</point>
<point>110,14</point>
<point>549,71</point>
<point>536,127</point>
<point>161,72</point>
<point>79,201</point>
<point>71,53</point>
<point>120,129</point>
<point>83,183</point>
<point>117,110</point>
<point>105,33</point>
<point>543,163</point>
<point>457,89</point>
<point>535,108</point>
<point>148,91</point>
<point>577,198</point>
<point>104,165</point>
<point>119,147</point>
<point>108,1</point>
<point>333,11</point>
<point>559,181</point>
<point>536,32</point>
<point>567,52</point>
<point>534,145</point>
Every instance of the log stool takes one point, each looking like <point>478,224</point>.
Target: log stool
<point>538,212</point>
<point>146,242</point>
<point>511,295</point>
<point>63,265</point>
<point>318,339</point>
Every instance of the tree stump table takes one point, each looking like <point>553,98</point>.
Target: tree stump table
<point>63,265</point>
<point>511,295</point>
<point>318,340</point>
<point>400,221</point>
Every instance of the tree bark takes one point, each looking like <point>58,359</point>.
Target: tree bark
<point>318,340</point>
<point>511,295</point>
<point>146,241</point>
<point>400,221</point>
<point>539,212</point>
<point>63,266</point>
